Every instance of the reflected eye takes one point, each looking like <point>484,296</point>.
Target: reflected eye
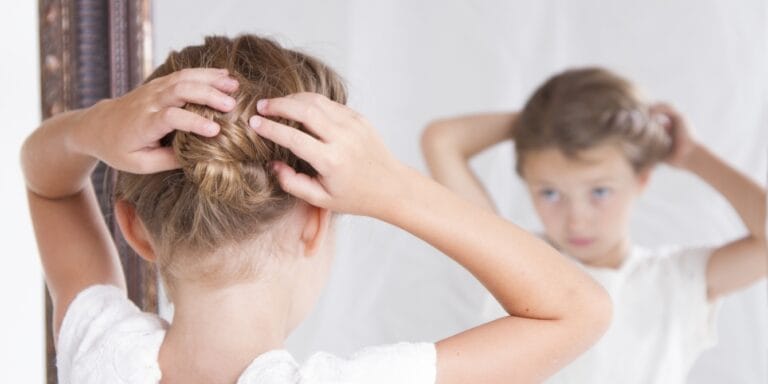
<point>600,192</point>
<point>550,195</point>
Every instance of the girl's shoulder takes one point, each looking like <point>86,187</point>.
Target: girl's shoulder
<point>671,253</point>
<point>677,265</point>
<point>396,363</point>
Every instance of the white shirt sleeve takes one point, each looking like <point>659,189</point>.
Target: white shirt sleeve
<point>100,328</point>
<point>696,311</point>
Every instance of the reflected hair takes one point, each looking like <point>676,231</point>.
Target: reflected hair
<point>225,193</point>
<point>582,108</point>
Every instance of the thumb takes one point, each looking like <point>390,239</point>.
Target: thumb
<point>159,160</point>
<point>301,185</point>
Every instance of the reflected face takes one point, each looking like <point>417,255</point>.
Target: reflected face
<point>584,202</point>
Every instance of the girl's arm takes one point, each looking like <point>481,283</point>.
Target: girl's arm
<point>449,144</point>
<point>555,310</point>
<point>75,246</point>
<point>742,262</point>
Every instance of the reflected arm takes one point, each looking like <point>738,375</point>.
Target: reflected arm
<point>449,144</point>
<point>742,262</point>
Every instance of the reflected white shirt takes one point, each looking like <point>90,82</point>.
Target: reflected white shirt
<point>662,320</point>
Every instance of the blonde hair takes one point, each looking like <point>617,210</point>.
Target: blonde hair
<point>581,108</point>
<point>225,192</point>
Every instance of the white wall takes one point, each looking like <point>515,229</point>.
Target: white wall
<point>22,348</point>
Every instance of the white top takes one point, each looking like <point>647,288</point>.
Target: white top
<point>106,339</point>
<point>662,320</point>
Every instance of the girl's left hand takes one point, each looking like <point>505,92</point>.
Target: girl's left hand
<point>683,141</point>
<point>125,132</point>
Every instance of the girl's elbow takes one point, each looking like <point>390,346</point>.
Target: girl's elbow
<point>26,159</point>
<point>432,136</point>
<point>762,244</point>
<point>597,312</point>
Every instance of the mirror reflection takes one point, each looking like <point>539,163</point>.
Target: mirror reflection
<point>620,88</point>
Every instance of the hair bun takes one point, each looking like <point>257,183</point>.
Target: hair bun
<point>230,167</point>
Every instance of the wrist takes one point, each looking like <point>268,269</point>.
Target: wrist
<point>396,199</point>
<point>695,158</point>
<point>81,137</point>
<point>53,164</point>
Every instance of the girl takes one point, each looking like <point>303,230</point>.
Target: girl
<point>233,159</point>
<point>586,145</point>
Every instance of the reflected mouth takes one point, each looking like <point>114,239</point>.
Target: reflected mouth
<point>580,241</point>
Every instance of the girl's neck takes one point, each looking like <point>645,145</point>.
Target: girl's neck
<point>216,333</point>
<point>613,258</point>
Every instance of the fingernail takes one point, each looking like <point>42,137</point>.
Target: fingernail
<point>232,82</point>
<point>255,121</point>
<point>261,105</point>
<point>229,102</point>
<point>212,128</point>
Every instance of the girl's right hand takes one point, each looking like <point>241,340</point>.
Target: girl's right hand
<point>357,173</point>
<point>125,132</point>
<point>684,142</point>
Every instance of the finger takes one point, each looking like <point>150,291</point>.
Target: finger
<point>173,118</point>
<point>301,185</point>
<point>308,112</point>
<point>158,160</point>
<point>339,114</point>
<point>226,84</point>
<point>329,106</point>
<point>198,75</point>
<point>664,114</point>
<point>663,120</point>
<point>300,143</point>
<point>665,109</point>
<point>197,93</point>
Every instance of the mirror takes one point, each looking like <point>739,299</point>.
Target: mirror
<point>407,64</point>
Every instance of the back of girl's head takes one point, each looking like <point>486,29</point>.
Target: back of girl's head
<point>225,193</point>
<point>582,108</point>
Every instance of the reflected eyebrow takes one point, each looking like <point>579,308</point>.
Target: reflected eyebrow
<point>548,183</point>
<point>543,185</point>
<point>601,180</point>
<point>540,182</point>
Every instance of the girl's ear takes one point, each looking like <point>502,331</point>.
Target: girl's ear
<point>134,231</point>
<point>315,228</point>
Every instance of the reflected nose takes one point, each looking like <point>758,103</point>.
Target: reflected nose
<point>579,219</point>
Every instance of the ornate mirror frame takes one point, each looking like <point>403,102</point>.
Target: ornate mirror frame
<point>91,50</point>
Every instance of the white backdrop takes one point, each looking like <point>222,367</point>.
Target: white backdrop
<point>22,332</point>
<point>408,62</point>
